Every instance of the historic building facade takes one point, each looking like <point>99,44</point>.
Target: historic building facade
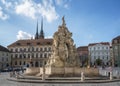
<point>83,55</point>
<point>31,52</point>
<point>116,50</point>
<point>5,58</point>
<point>99,53</point>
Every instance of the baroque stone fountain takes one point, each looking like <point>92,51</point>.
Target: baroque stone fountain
<point>64,60</point>
<point>64,51</point>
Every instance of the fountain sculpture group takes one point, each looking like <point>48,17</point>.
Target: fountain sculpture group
<point>64,60</point>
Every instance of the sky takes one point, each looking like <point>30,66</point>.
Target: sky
<point>90,21</point>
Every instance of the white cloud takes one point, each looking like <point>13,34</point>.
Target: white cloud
<point>26,8</point>
<point>3,16</point>
<point>23,35</point>
<point>33,10</point>
<point>47,10</point>
<point>7,4</point>
<point>63,3</point>
<point>66,6</point>
<point>58,2</point>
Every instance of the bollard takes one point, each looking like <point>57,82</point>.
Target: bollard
<point>43,75</point>
<point>111,76</point>
<point>82,76</point>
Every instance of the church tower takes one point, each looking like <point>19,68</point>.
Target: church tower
<point>37,35</point>
<point>41,36</point>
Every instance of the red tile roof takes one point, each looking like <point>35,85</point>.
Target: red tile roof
<point>32,42</point>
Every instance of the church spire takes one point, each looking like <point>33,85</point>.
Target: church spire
<point>37,35</point>
<point>41,31</point>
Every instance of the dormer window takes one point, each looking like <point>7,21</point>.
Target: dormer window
<point>18,44</point>
<point>28,43</point>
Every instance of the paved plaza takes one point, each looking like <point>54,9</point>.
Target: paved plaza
<point>5,82</point>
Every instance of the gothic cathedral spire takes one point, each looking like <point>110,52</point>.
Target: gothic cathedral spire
<point>41,36</point>
<point>37,35</point>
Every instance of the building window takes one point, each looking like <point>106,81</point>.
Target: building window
<point>98,48</point>
<point>36,55</point>
<point>20,56</point>
<point>28,43</point>
<point>28,55</point>
<point>18,44</point>
<point>103,57</point>
<point>107,48</point>
<point>102,47</point>
<point>20,49</point>
<point>15,62</point>
<point>16,50</point>
<point>32,55</point>
<point>2,58</point>
<point>94,48</point>
<point>20,63</point>
<point>28,49</point>
<point>36,49</point>
<point>49,55</point>
<point>24,63</point>
<point>11,50</point>
<point>7,54</point>
<point>24,49</point>
<point>6,59</point>
<point>45,49</point>
<point>32,48</point>
<point>116,47</point>
<point>38,43</point>
<point>16,56</point>
<point>45,55</point>
<point>44,62</point>
<point>49,48</point>
<point>41,49</point>
<point>12,55</point>
<point>41,63</point>
<point>94,57</point>
<point>24,55</point>
<point>40,55</point>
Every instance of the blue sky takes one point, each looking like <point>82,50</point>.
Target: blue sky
<point>89,20</point>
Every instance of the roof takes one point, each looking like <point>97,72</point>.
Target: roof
<point>103,43</point>
<point>82,48</point>
<point>32,42</point>
<point>116,38</point>
<point>3,49</point>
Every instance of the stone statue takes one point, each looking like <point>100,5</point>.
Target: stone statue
<point>64,51</point>
<point>63,21</point>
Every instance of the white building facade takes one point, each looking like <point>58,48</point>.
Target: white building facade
<point>101,52</point>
